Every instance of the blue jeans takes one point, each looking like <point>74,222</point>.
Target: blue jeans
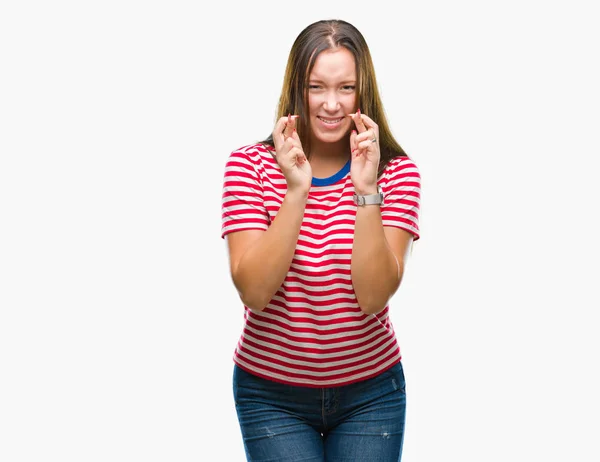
<point>360,422</point>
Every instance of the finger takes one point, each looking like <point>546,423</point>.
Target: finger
<point>292,146</point>
<point>364,145</point>
<point>301,157</point>
<point>296,138</point>
<point>353,142</point>
<point>356,153</point>
<point>288,145</point>
<point>278,138</point>
<point>290,125</point>
<point>297,155</point>
<point>370,124</point>
<point>369,135</point>
<point>358,121</point>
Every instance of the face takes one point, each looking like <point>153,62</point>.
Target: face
<point>332,95</point>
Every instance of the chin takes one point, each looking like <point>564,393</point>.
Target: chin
<point>333,136</point>
<point>330,137</point>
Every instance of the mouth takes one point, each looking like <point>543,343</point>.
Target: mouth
<point>330,123</point>
<point>329,120</point>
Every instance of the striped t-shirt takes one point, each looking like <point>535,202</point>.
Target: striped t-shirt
<point>313,332</point>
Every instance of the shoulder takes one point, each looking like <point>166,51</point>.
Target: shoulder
<point>256,152</point>
<point>255,157</point>
<point>401,167</point>
<point>255,161</point>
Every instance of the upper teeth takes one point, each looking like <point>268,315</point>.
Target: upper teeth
<point>331,121</point>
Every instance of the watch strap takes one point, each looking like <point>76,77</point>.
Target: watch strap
<point>369,199</point>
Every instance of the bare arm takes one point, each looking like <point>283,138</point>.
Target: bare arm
<point>378,258</point>
<point>378,253</point>
<point>259,260</point>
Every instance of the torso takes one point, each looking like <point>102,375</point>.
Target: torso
<point>313,332</point>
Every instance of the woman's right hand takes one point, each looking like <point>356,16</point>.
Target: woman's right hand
<point>290,156</point>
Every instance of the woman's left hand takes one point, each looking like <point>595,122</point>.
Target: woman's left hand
<point>365,154</point>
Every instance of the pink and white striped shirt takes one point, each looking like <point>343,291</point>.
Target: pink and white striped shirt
<point>313,332</point>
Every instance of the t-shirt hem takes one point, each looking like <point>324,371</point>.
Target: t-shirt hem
<point>229,231</point>
<point>416,235</point>
<point>313,385</point>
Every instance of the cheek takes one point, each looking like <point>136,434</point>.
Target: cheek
<point>349,102</point>
<point>313,104</point>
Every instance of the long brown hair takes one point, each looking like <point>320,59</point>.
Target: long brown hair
<point>326,35</point>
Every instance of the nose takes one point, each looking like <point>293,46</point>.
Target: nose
<point>331,103</point>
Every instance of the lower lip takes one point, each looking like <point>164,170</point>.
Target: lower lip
<point>330,126</point>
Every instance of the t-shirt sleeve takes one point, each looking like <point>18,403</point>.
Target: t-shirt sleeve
<point>243,205</point>
<point>402,190</point>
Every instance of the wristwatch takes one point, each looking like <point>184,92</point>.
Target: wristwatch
<point>370,199</point>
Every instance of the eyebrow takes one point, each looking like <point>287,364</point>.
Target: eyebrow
<point>353,81</point>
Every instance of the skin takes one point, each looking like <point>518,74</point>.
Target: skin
<point>260,260</point>
<point>331,95</point>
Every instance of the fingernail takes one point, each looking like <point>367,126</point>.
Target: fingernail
<point>354,132</point>
<point>358,112</point>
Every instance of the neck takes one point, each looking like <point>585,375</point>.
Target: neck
<point>326,159</point>
<point>330,153</point>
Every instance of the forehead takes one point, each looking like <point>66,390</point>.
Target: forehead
<point>334,64</point>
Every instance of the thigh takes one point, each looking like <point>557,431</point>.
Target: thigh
<point>271,429</point>
<point>372,430</point>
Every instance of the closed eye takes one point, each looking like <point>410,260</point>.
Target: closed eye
<point>345,87</point>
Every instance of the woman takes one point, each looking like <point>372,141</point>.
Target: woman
<point>319,219</point>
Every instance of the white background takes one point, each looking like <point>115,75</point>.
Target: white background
<point>118,318</point>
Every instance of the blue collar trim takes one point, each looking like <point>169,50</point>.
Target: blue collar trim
<point>333,178</point>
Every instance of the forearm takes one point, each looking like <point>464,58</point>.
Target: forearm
<point>376,273</point>
<point>264,266</point>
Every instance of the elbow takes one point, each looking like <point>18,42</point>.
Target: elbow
<point>372,306</point>
<point>375,301</point>
<point>253,300</point>
<point>252,297</point>
<point>373,295</point>
<point>255,304</point>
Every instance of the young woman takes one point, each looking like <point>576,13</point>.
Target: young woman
<point>319,219</point>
